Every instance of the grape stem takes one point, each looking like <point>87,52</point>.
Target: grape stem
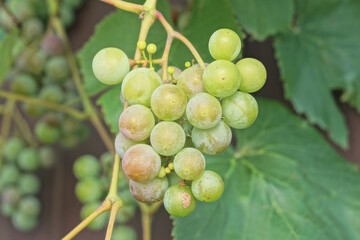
<point>115,207</point>
<point>6,124</point>
<point>144,62</point>
<point>24,128</point>
<point>147,212</point>
<point>10,14</point>
<point>50,105</point>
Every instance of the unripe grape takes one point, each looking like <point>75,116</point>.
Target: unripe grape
<point>7,209</point>
<point>23,222</point>
<point>12,148</point>
<point>224,44</point>
<point>99,222</point>
<point>67,15</point>
<point>123,233</point>
<point>28,159</point>
<point>57,68</point>
<point>88,190</point>
<point>209,187</point>
<point>10,195</point>
<point>221,78</point>
<point>32,29</point>
<point>33,110</point>
<point>110,65</point>
<point>126,212</point>
<point>138,86</point>
<point>30,206</point>
<point>52,45</point>
<point>151,48</point>
<point>167,138</point>
<point>123,143</point>
<point>29,184</point>
<point>24,84</point>
<point>176,74</point>
<point>253,74</point>
<point>47,157</point>
<point>86,166</point>
<point>73,3</point>
<point>141,45</point>
<point>149,192</point>
<point>189,163</point>
<point>46,133</point>
<point>240,110</point>
<point>141,163</point>
<point>136,122</point>
<point>22,10</point>
<point>187,64</point>
<point>179,201</point>
<point>214,140</point>
<point>203,111</point>
<point>190,81</point>
<point>9,174</point>
<point>168,102</point>
<point>32,62</point>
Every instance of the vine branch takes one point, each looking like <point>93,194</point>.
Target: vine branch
<point>6,125</point>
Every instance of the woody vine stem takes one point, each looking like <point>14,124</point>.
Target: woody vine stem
<point>148,15</point>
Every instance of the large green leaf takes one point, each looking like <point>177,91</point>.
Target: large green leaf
<point>111,107</point>
<point>283,181</point>
<point>263,18</point>
<point>321,54</point>
<point>207,16</point>
<point>121,30</point>
<point>6,54</point>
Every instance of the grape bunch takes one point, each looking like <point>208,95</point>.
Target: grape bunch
<point>41,70</point>
<point>169,125</point>
<point>19,184</point>
<point>93,177</point>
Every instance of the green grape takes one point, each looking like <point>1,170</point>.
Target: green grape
<point>32,28</point>
<point>189,163</point>
<point>9,174</point>
<point>125,213</point>
<point>123,233</point>
<point>221,78</point>
<point>32,62</point>
<point>203,111</point>
<point>24,84</point>
<point>5,21</point>
<point>7,209</point>
<point>240,110</point>
<point>98,223</point>
<point>47,157</point>
<point>179,201</point>
<point>175,75</point>
<point>23,222</point>
<point>10,194</point>
<point>110,66</point>
<point>123,143</point>
<point>149,192</point>
<point>47,133</point>
<point>141,163</point>
<point>224,44</point>
<point>126,195</point>
<point>88,190</point>
<point>174,179</point>
<point>136,122</point>
<point>29,184</point>
<point>209,187</point>
<point>214,140</point>
<point>168,102</point>
<point>253,74</point>
<point>167,138</point>
<point>190,81</point>
<point>86,166</point>
<point>29,206</point>
<point>52,45</point>
<point>73,3</point>
<point>21,9</point>
<point>67,15</point>
<point>12,148</point>
<point>52,93</point>
<point>29,159</point>
<point>33,110</point>
<point>139,85</point>
<point>57,68</point>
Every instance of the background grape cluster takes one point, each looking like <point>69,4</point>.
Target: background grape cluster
<point>169,125</point>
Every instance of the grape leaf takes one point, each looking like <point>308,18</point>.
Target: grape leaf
<point>121,30</point>
<point>111,107</point>
<point>6,54</point>
<point>263,18</point>
<point>321,54</point>
<point>206,17</point>
<point>282,181</point>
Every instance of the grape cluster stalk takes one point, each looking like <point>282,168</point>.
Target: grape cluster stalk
<point>173,119</point>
